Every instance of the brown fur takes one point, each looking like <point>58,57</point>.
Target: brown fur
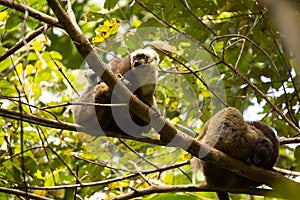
<point>132,73</point>
<point>251,142</point>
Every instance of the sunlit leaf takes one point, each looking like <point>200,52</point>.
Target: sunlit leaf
<point>106,30</point>
<point>3,16</point>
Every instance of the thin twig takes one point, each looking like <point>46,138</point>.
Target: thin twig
<point>22,194</point>
<point>191,71</point>
<point>45,144</point>
<point>20,44</point>
<point>102,165</point>
<point>12,98</point>
<point>64,75</point>
<point>240,54</point>
<point>292,140</point>
<point>185,3</point>
<point>65,164</point>
<point>201,79</point>
<point>256,89</point>
<point>287,172</point>
<point>83,104</point>
<point>22,142</point>
<point>105,182</point>
<point>138,154</point>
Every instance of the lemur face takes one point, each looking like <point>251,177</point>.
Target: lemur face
<point>144,57</point>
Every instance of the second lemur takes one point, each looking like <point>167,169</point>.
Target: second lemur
<point>251,142</point>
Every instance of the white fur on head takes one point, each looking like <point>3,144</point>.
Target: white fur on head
<point>153,56</point>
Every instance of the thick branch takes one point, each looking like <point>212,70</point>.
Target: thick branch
<point>168,133</point>
<point>193,188</point>
<point>32,12</point>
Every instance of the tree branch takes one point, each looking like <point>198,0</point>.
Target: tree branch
<point>20,193</point>
<point>32,12</point>
<point>38,120</point>
<point>287,172</point>
<point>186,5</point>
<point>290,140</point>
<point>193,188</point>
<point>168,133</point>
<point>112,180</point>
<point>68,126</point>
<point>20,44</point>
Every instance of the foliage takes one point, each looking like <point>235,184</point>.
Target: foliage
<point>207,37</point>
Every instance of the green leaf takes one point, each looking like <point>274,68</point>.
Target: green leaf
<point>110,4</point>
<point>13,21</point>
